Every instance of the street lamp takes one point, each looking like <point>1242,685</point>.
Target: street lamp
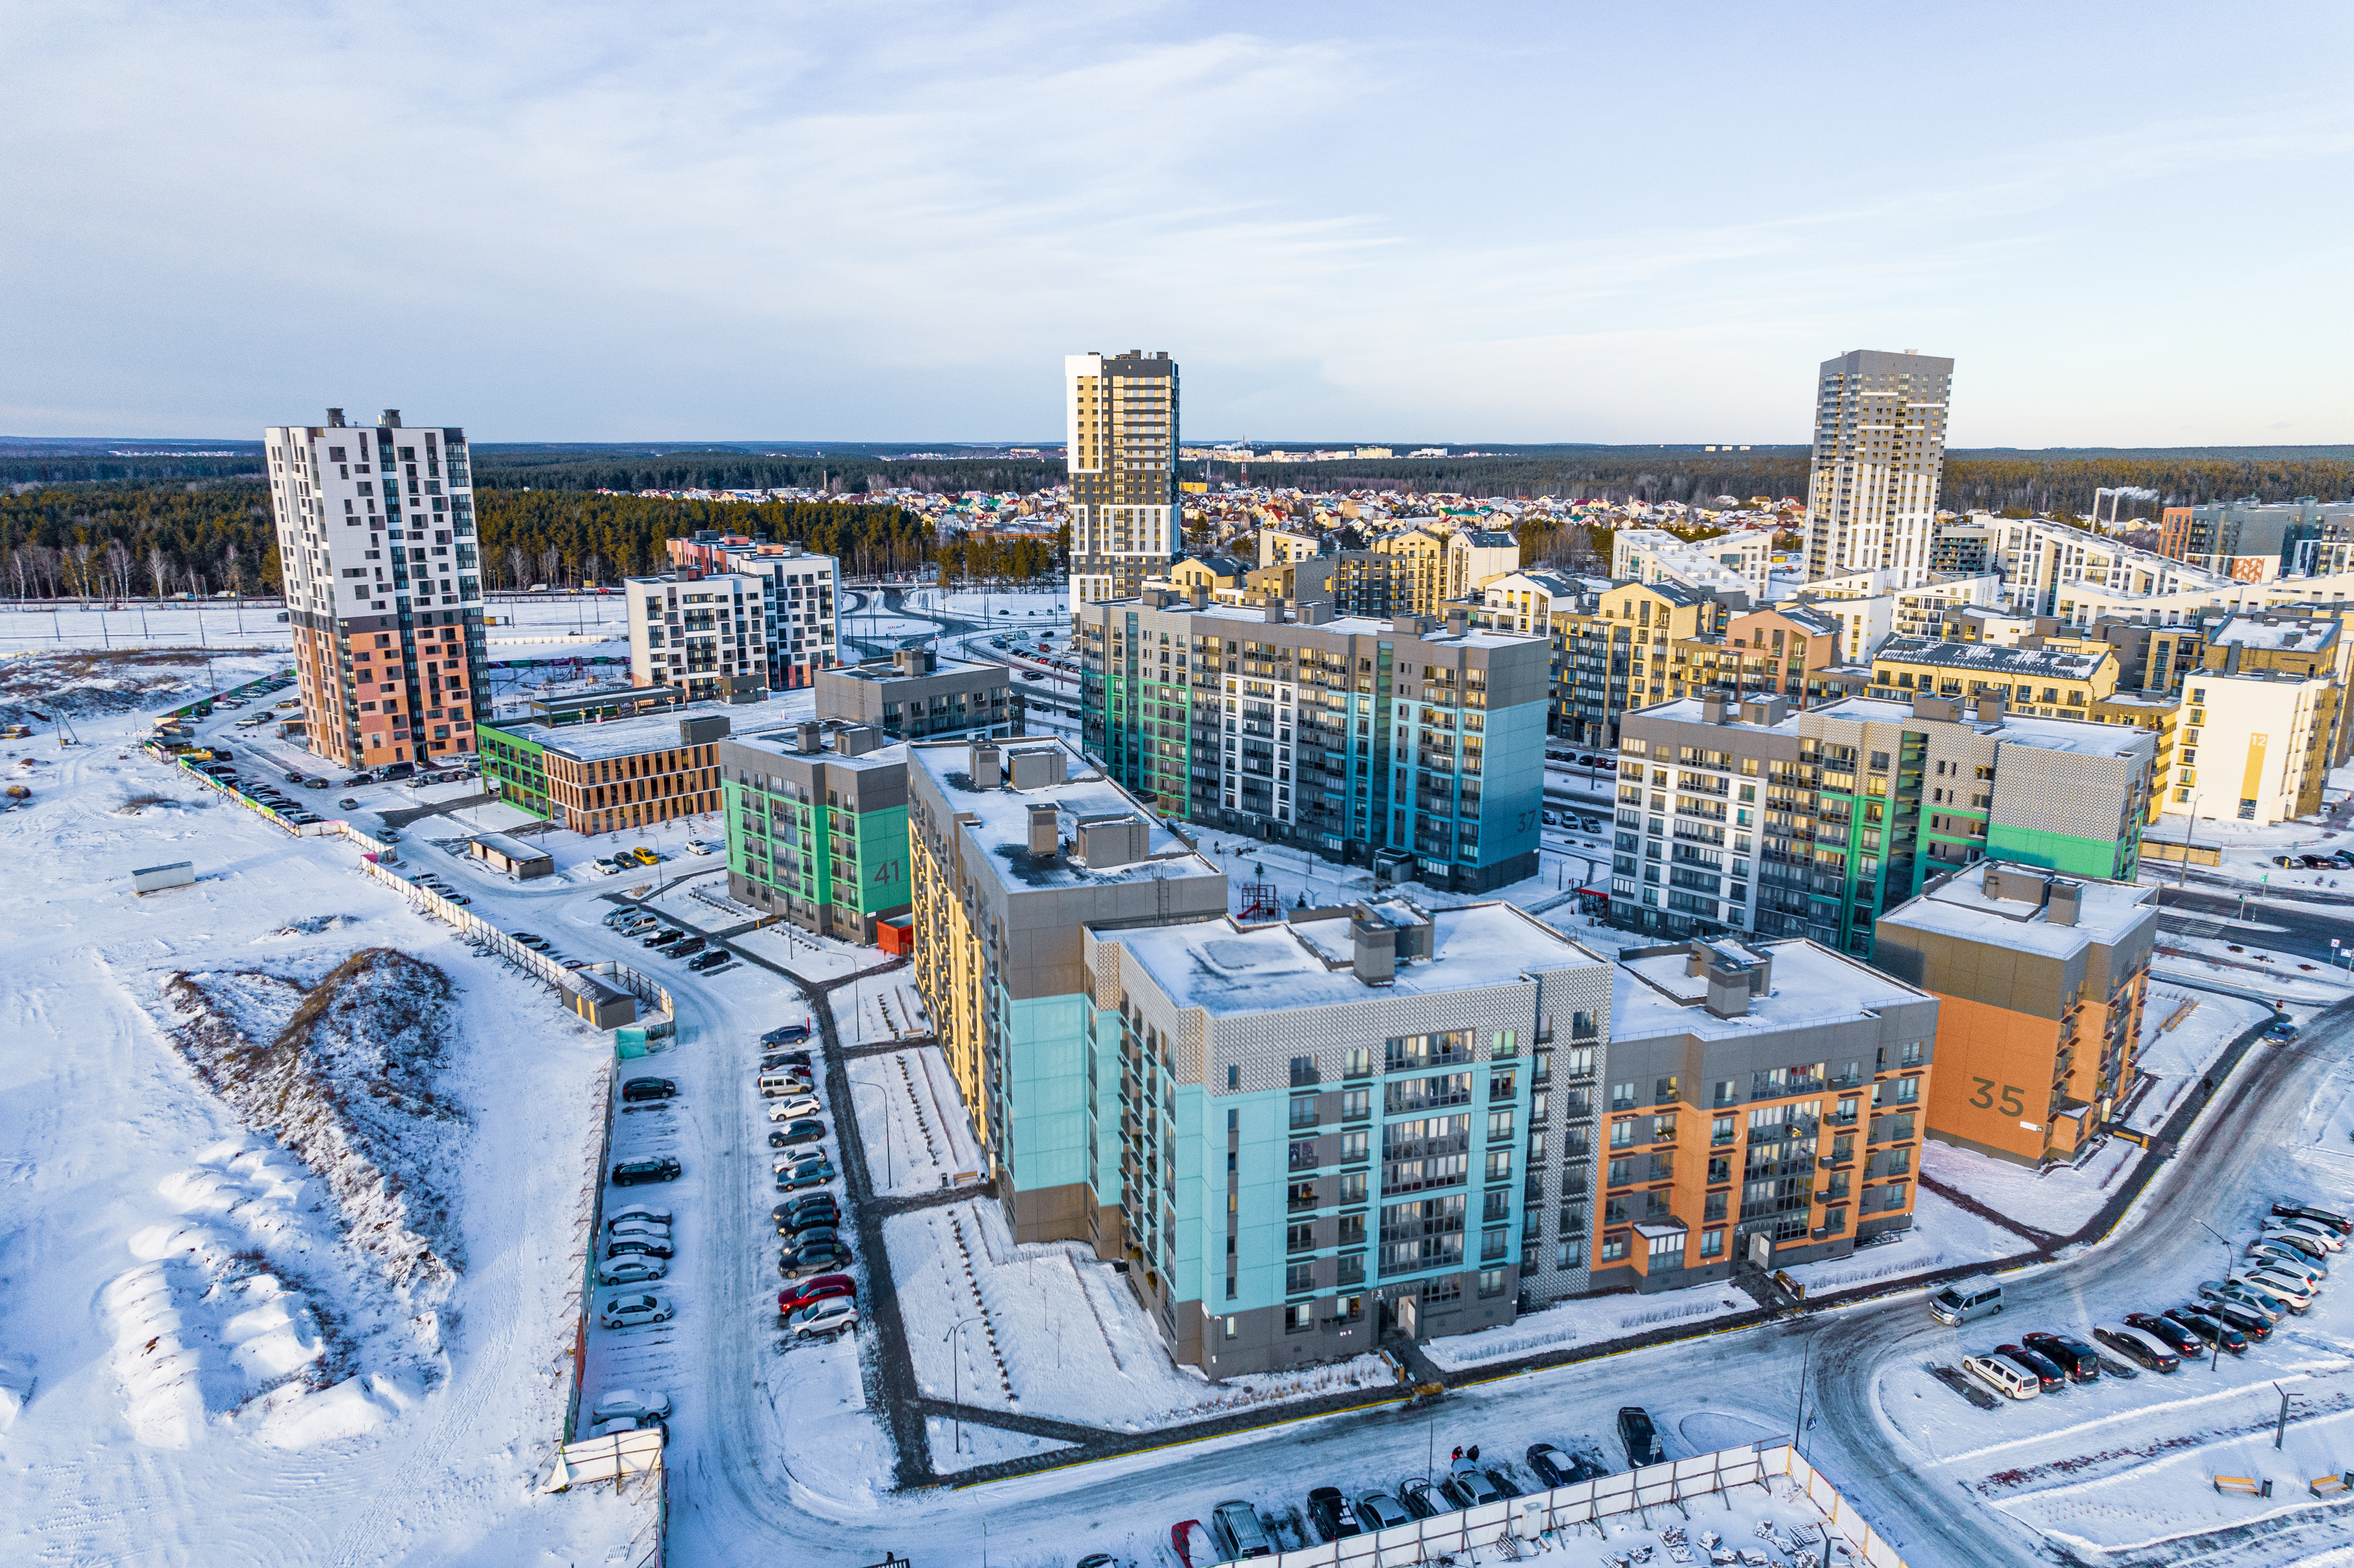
<point>2215,1364</point>
<point>886,1091</point>
<point>956,1372</point>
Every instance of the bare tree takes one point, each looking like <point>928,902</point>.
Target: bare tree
<point>160,570</point>
<point>551,562</point>
<point>118,570</point>
<point>22,566</point>
<point>592,569</point>
<point>82,567</point>
<point>516,567</point>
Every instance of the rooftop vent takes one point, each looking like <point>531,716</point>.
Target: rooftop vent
<point>856,740</point>
<point>389,418</point>
<point>1375,960</point>
<point>2065,903</point>
<point>334,419</point>
<point>1039,767</point>
<point>1107,844</point>
<point>806,737</point>
<point>1201,596</point>
<point>987,767</point>
<point>1045,837</point>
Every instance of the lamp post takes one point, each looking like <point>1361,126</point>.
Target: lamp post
<point>956,1385</point>
<point>886,1091</point>
<point>2215,1363</point>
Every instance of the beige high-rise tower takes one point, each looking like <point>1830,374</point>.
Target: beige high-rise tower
<point>1879,459</point>
<point>1123,427</point>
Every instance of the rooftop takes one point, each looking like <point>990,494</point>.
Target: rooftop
<point>594,740</point>
<point>1987,656</point>
<point>2106,912</point>
<point>1812,987</point>
<point>2018,729</point>
<point>2283,632</point>
<point>998,819</point>
<point>1226,968</point>
<point>785,740</point>
<point>887,669</point>
<point>1339,625</point>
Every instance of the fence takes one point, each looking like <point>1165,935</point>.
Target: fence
<point>1590,1502</point>
<point>525,959</point>
<point>284,824</point>
<point>2196,854</point>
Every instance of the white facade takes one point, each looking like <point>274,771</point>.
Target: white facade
<point>2244,746</point>
<point>1120,418</point>
<point>706,633</point>
<point>1524,602</point>
<point>381,567</point>
<point>1878,460</point>
<point>2043,562</point>
<point>1739,562</point>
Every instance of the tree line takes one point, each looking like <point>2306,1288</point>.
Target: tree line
<point>838,474</point>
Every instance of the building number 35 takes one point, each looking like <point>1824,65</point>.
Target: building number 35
<point>2013,1104</point>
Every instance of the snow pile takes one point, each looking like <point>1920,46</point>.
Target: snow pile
<point>1587,1321</point>
<point>343,1074</point>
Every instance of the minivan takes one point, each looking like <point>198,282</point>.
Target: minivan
<point>774,1085</point>
<point>2012,1381</point>
<point>1239,1533</point>
<point>1966,1299</point>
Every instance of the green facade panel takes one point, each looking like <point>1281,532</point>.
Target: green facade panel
<point>2107,858</point>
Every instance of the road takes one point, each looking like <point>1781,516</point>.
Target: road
<point>2282,927</point>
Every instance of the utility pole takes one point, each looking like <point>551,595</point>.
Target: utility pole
<point>2280,1431</point>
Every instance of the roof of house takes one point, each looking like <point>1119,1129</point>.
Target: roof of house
<point>1989,658</point>
<point>2020,729</point>
<point>595,740</point>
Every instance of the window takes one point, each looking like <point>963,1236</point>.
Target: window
<point>1622,1097</point>
<point>1500,1165</point>
<point>1234,1077</point>
<point>1712,1206</point>
<point>1492,1282</point>
<point>1668,1248</point>
<point>1504,1042</point>
<point>1912,1053</point>
<point>1500,1125</point>
<point>1302,1195</point>
<point>1712,1243</point>
<point>1352,1187</point>
<point>1355,1146</point>
<point>1907,1090</point>
<point>1303,1071</point>
<point>1720,1130</point>
<point>1300,1318</point>
<point>1356,1104</point>
<point>1728,1092</point>
<point>1622,1133</point>
<point>1663,1090</point>
<point>1565,1254</point>
<point>1360,1061</point>
<point>1303,1112</point>
<point>1298,1278</point>
<point>1300,1238</point>
<point>1613,1248</point>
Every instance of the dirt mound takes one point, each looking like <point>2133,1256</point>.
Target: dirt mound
<point>343,1073</point>
<point>90,683</point>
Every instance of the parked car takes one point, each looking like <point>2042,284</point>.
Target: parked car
<point>638,1245</point>
<point>1639,1438</point>
<point>640,1227</point>
<point>810,1173</point>
<point>827,1319</point>
<point>629,1311</point>
<point>2296,1246</point>
<point>775,1059</point>
<point>2168,1332</point>
<point>603,869</point>
<point>651,1408</point>
<point>293,778</point>
<point>314,782</point>
<point>2313,1229</point>
<point>717,958</point>
<point>2003,1375</point>
<point>789,1213</point>
<point>347,804</point>
<point>1556,1466</point>
<point>665,937</point>
<point>2077,1359</point>
<point>2237,1293</point>
<point>2146,1354</point>
<point>1964,1301</point>
<point>357,781</point>
<point>645,856</point>
<point>2279,1287</point>
<point>2049,1375</point>
<point>797,1107</point>
<point>531,940</point>
<point>789,1034</point>
<point>2284,1257</point>
<point>637,1172</point>
<point>685,946</point>
<point>804,1132</point>
<point>792,1299</point>
<point>2289,1209</point>
<point>1334,1517</point>
<point>2246,1318</point>
<point>631,1271</point>
<point>645,1212</point>
<point>1467,1486</point>
<point>792,1083</point>
<point>698,846</point>
<point>1423,1500</point>
<point>1379,1511</point>
<point>800,1227</point>
<point>817,1258</point>
<point>2211,1327</point>
<point>648,1089</point>
<point>1236,1527</point>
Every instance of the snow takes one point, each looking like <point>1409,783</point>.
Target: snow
<point>2061,1200</point>
<point>1942,1235</point>
<point>1059,1334</point>
<point>1589,1321</point>
<point>2292,977</point>
<point>918,1139</point>
<point>970,1444</point>
<point>2175,1058</point>
<point>810,956</point>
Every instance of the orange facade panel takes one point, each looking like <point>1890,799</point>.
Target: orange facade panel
<point>1992,1088</point>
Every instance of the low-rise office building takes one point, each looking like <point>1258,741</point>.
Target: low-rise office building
<point>817,826</point>
<point>1748,817</point>
<point>2041,980</point>
<point>916,694</point>
<point>612,775</point>
<point>1764,1102</point>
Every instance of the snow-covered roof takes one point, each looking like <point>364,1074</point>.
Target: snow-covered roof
<point>2275,632</point>
<point>2055,662</point>
<point>594,740</point>
<point>999,824</point>
<point>1225,968</point>
<point>2106,913</point>
<point>1813,987</point>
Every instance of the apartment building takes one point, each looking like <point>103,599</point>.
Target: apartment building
<point>608,775</point>
<point>916,695</point>
<point>2051,567</point>
<point>1122,417</point>
<point>2253,541</point>
<point>1763,1103</point>
<point>1401,745</point>
<point>704,633</point>
<point>2049,682</point>
<point>2040,981</point>
<point>1749,817</point>
<point>817,826</point>
<point>1306,1132</point>
<point>2252,742</point>
<point>380,563</point>
<point>1783,650</point>
<point>1739,563</point>
<point>1613,655</point>
<point>1524,602</point>
<point>1013,851</point>
<point>1878,460</point>
<point>1431,563</point>
<point>800,616</point>
<point>1918,610</point>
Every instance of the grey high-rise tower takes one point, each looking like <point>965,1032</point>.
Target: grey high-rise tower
<point>1122,422</point>
<point>1880,455</point>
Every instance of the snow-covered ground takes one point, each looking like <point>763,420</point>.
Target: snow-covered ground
<point>813,958</point>
<point>2182,1034</point>
<point>2059,1200</point>
<point>1056,1333</point>
<point>2292,977</point>
<point>1942,1236</point>
<point>2248,849</point>
<point>1594,1320</point>
<point>918,1139</point>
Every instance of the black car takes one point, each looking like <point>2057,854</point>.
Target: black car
<point>1502,1477</point>
<point>710,960</point>
<point>649,1088</point>
<point>293,778</point>
<point>775,1059</point>
<point>1334,1517</point>
<point>814,1257</point>
<point>2168,1332</point>
<point>1558,1468</point>
<point>2049,1376</point>
<point>795,1219</point>
<point>2140,1351</point>
<point>637,1246</point>
<point>637,1172</point>
<point>679,949</point>
<point>2209,1328</point>
<point>2253,1323</point>
<point>807,1130</point>
<point>1639,1438</point>
<point>665,937</point>
<point>2077,1359</point>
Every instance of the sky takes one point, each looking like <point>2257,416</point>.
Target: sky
<point>1370,222</point>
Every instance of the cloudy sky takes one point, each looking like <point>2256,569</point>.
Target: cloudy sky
<point>1569,221</point>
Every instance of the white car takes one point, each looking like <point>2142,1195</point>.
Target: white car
<point>2281,1261</point>
<point>648,1230</point>
<point>631,1271</point>
<point>698,846</point>
<point>2307,1230</point>
<point>2281,1286</point>
<point>824,1321</point>
<point>602,869</point>
<point>629,1311</point>
<point>795,1108</point>
<point>647,1409</point>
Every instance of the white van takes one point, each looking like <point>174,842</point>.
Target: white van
<point>1965,1299</point>
<point>775,1085</point>
<point>2015,1383</point>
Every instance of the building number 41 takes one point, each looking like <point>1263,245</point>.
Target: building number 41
<point>2013,1104</point>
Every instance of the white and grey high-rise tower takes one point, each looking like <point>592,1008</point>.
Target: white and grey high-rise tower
<point>1880,455</point>
<point>1123,427</point>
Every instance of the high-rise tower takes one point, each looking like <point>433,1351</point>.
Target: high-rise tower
<point>1121,416</point>
<point>1880,453</point>
<point>379,558</point>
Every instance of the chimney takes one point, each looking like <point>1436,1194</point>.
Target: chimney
<point>1711,708</point>
<point>987,773</point>
<point>1039,767</point>
<point>1107,844</point>
<point>334,419</point>
<point>389,418</point>
<point>1156,599</point>
<point>1376,952</point>
<point>1406,626</point>
<point>805,737</point>
<point>1459,620</point>
<point>854,740</point>
<point>1272,609</point>
<point>1044,837</point>
<point>1316,612</point>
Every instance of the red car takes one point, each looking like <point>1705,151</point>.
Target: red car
<point>812,1290</point>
